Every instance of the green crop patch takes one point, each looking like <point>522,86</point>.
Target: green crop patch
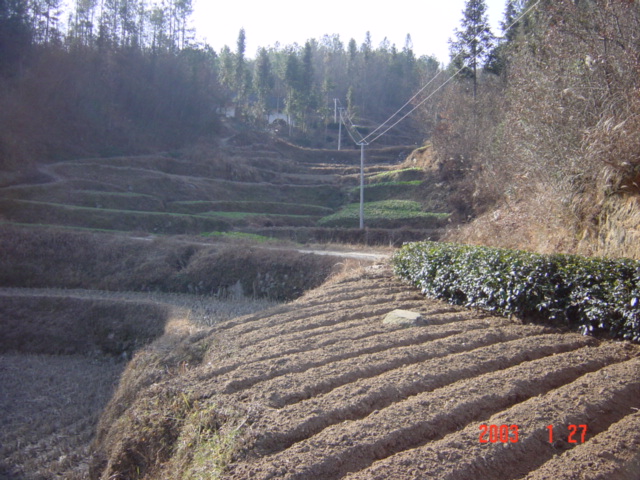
<point>241,236</point>
<point>277,208</point>
<point>388,184</point>
<point>592,295</point>
<point>385,214</point>
<point>377,192</point>
<point>243,215</point>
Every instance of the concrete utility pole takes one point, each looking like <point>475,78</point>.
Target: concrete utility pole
<point>340,130</point>
<point>362,144</point>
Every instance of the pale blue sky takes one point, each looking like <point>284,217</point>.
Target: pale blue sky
<point>430,22</point>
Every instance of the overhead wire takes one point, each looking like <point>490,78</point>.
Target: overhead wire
<point>351,127</point>
<point>424,87</point>
<point>422,102</point>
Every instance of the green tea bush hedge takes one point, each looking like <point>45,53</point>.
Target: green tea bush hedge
<point>590,294</point>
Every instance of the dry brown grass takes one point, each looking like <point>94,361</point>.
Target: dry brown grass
<point>525,224</point>
<point>619,229</point>
<point>553,156</point>
<point>67,325</point>
<point>51,258</point>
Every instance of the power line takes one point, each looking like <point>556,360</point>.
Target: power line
<point>416,106</point>
<point>424,87</point>
<point>366,140</point>
<point>408,102</point>
<point>351,127</point>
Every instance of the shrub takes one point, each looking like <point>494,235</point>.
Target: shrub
<point>592,295</point>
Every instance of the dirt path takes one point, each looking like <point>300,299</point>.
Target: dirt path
<point>333,393</point>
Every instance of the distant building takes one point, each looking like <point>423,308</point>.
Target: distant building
<point>272,117</point>
<point>229,111</point>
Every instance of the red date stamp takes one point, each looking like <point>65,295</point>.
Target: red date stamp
<point>499,433</point>
<point>577,433</point>
<point>510,433</point>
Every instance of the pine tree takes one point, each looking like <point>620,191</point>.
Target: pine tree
<point>182,11</point>
<point>226,74</point>
<point>498,61</point>
<point>263,81</point>
<point>240,71</point>
<point>158,23</point>
<point>45,15</point>
<point>509,25</point>
<point>474,41</point>
<point>83,21</point>
<point>15,34</point>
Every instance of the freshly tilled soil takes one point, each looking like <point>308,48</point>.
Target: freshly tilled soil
<point>331,392</point>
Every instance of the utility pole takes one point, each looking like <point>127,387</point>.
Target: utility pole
<point>362,144</point>
<point>340,130</point>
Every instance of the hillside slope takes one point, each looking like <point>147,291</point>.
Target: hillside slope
<point>249,182</point>
<point>321,388</point>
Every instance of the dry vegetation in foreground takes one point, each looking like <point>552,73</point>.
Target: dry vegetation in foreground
<point>546,157</point>
<point>50,405</point>
<point>63,349</point>
<point>53,258</point>
<point>62,356</point>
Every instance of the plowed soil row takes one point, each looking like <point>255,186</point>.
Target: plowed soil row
<point>331,392</point>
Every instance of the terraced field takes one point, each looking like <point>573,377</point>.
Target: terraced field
<point>321,389</point>
<point>226,188</point>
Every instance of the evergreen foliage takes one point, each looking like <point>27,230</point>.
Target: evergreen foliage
<point>115,82</point>
<point>589,294</point>
<point>15,34</point>
<point>474,41</point>
<point>116,76</point>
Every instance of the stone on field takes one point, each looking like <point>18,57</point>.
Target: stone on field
<point>403,318</point>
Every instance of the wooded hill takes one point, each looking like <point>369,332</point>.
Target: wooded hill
<point>127,76</point>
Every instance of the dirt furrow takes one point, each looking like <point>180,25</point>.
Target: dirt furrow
<point>50,406</point>
<point>352,291</point>
<point>246,376</point>
<point>356,320</point>
<point>611,455</point>
<point>462,456</point>
<point>281,428</point>
<point>307,310</point>
<point>352,446</point>
<point>300,310</point>
<point>275,347</point>
<point>278,328</point>
<point>293,388</point>
<point>273,355</point>
<point>299,320</point>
